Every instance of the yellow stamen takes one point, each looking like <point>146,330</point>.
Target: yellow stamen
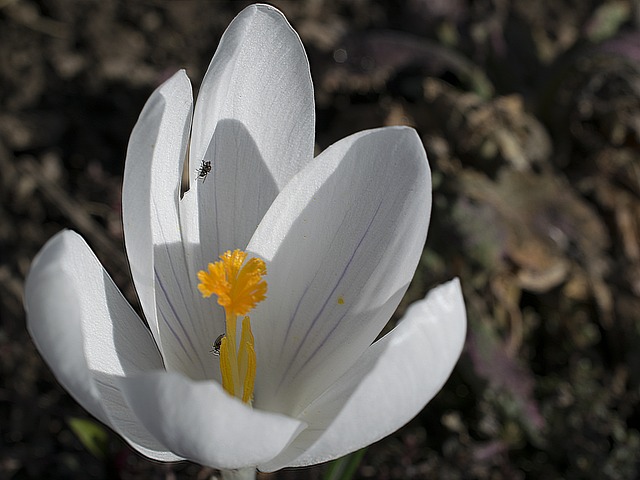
<point>247,361</point>
<point>239,287</point>
<point>225,367</point>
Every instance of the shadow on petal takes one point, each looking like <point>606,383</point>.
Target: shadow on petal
<point>237,192</point>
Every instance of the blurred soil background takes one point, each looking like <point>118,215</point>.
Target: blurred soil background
<point>530,114</point>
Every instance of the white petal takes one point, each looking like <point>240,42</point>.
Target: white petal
<point>259,78</point>
<point>341,242</point>
<point>155,247</point>
<point>201,422</point>
<point>388,386</point>
<point>254,121</point>
<point>87,332</point>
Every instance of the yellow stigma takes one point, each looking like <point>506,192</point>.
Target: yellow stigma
<point>239,286</point>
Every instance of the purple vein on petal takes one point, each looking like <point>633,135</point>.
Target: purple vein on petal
<point>306,289</point>
<point>182,294</point>
<point>177,317</point>
<point>176,336</point>
<point>319,314</point>
<point>295,312</point>
<point>170,258</point>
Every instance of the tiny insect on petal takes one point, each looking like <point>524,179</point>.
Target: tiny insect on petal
<point>204,170</point>
<point>216,345</point>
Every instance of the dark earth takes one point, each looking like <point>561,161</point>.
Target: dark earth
<point>530,114</point>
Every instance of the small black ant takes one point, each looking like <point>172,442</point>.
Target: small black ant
<point>204,170</point>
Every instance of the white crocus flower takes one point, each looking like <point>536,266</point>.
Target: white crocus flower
<point>339,237</point>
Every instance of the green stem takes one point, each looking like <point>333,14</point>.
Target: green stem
<point>242,474</point>
<point>344,468</point>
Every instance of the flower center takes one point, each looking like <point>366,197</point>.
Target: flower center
<point>239,287</point>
